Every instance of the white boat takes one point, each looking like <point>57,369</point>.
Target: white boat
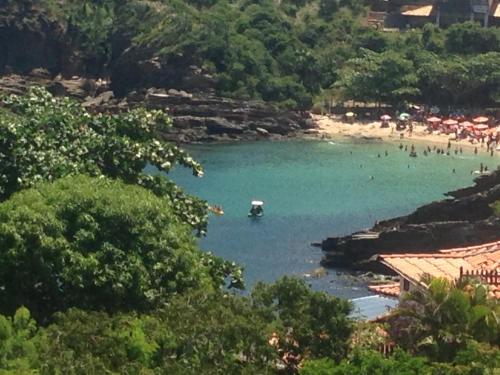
<point>257,209</point>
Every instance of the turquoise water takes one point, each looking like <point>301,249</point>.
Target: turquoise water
<point>313,190</point>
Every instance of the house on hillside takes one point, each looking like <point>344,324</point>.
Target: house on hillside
<point>481,262</point>
<point>448,12</point>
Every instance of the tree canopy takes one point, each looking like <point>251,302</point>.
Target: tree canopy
<point>97,244</point>
<point>286,52</point>
<point>43,138</point>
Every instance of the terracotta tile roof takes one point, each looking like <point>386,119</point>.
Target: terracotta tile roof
<point>391,289</point>
<point>446,263</point>
<point>424,11</point>
<point>496,11</point>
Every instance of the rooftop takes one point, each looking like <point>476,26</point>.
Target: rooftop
<point>446,263</point>
<point>391,289</point>
<point>423,11</point>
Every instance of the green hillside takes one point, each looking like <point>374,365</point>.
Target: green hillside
<point>287,52</point>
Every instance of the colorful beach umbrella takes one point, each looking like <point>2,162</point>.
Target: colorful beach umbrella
<point>450,122</point>
<point>434,119</point>
<point>480,120</point>
<point>404,116</point>
<point>466,124</point>
<point>481,127</point>
<point>385,117</point>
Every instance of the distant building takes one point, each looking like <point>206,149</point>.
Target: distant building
<point>448,12</point>
<point>482,262</point>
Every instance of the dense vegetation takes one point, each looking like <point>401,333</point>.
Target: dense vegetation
<point>292,52</point>
<point>100,272</point>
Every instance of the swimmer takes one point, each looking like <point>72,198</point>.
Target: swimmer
<point>372,178</point>
<point>475,150</point>
<point>454,171</point>
<point>387,154</point>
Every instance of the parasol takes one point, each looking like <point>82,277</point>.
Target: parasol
<point>434,119</point>
<point>481,127</point>
<point>450,122</point>
<point>385,118</point>
<point>480,120</point>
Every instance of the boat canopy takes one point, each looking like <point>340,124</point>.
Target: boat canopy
<point>257,203</point>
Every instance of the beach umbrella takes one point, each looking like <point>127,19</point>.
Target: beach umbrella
<point>434,119</point>
<point>385,118</point>
<point>434,110</point>
<point>466,124</point>
<point>450,122</point>
<point>349,114</point>
<point>404,116</point>
<point>480,120</point>
<point>481,127</point>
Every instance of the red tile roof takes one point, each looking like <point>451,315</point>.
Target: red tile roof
<point>446,263</point>
<point>423,11</point>
<point>391,289</point>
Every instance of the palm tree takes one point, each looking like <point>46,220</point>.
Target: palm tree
<point>440,319</point>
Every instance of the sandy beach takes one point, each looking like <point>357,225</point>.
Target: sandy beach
<point>333,128</point>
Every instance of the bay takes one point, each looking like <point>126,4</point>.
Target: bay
<point>313,190</point>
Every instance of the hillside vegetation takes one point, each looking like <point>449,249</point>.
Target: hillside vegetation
<point>293,52</point>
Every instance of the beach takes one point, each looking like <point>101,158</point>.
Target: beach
<point>331,128</point>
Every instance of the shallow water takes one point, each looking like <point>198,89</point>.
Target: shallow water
<point>313,190</point>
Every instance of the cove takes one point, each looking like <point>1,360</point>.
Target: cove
<point>312,190</point>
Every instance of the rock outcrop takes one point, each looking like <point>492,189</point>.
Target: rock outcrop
<point>197,117</point>
<point>463,220</point>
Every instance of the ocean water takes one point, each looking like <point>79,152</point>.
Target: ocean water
<point>313,190</point>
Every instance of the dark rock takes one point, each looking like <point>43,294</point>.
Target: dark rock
<point>99,100</point>
<point>465,221</point>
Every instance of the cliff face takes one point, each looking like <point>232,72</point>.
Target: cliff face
<point>29,39</point>
<point>37,49</point>
<point>197,117</point>
<point>463,220</point>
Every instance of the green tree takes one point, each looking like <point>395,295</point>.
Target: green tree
<point>98,244</point>
<point>44,138</point>
<point>439,320</point>
<point>18,345</point>
<point>315,324</point>
<point>386,77</point>
<point>470,37</point>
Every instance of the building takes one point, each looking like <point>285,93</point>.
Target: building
<point>448,12</point>
<point>481,262</point>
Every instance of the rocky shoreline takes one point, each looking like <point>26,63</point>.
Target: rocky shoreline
<point>465,219</point>
<point>197,117</point>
